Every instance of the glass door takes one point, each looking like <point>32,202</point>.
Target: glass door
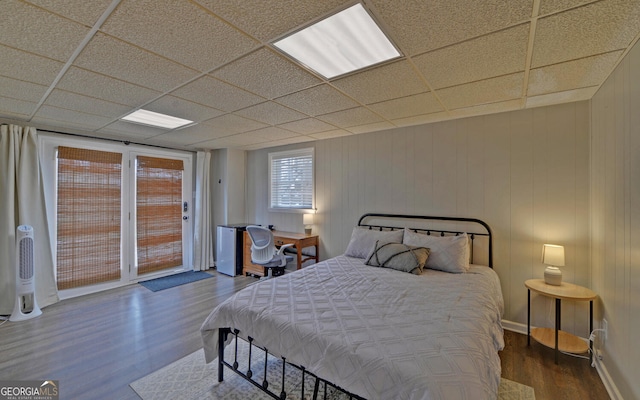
<point>117,213</point>
<point>160,208</point>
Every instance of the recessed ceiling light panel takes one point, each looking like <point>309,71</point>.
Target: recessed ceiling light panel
<point>344,42</point>
<point>151,118</point>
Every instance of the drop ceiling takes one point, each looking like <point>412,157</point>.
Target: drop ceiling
<point>78,66</point>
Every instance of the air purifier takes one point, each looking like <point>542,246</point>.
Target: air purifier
<point>26,306</point>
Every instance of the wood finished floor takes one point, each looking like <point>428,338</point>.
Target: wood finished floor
<point>97,344</point>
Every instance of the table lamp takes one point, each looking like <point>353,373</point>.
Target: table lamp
<point>553,257</point>
<point>307,220</point>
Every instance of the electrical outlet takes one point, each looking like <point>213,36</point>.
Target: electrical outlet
<point>605,327</point>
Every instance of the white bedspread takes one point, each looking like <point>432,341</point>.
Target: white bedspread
<point>378,333</point>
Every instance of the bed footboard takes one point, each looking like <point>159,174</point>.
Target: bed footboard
<point>321,387</point>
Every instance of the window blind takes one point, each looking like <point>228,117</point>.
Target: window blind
<point>88,217</point>
<point>159,213</point>
<point>291,176</point>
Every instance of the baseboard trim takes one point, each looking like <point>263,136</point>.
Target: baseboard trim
<point>514,326</point>
<point>608,383</point>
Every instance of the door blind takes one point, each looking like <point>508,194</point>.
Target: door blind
<point>88,217</point>
<point>159,213</point>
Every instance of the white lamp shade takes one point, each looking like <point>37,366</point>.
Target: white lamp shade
<point>553,255</point>
<point>307,219</point>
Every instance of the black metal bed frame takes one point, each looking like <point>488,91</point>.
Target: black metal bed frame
<point>472,235</point>
<point>223,333</point>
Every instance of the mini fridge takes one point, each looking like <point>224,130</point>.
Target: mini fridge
<point>229,248</point>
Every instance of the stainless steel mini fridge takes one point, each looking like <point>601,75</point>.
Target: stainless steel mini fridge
<point>229,248</point>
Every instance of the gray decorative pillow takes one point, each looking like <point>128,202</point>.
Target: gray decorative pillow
<point>447,253</point>
<point>398,256</point>
<point>363,240</point>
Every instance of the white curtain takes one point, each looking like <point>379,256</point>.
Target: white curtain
<point>22,203</point>
<point>203,257</point>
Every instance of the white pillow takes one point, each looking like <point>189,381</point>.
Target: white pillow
<point>448,253</point>
<point>363,240</point>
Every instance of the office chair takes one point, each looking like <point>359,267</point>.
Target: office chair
<point>265,253</point>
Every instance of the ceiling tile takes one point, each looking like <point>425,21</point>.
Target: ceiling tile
<point>484,109</point>
<point>331,134</point>
<point>217,94</point>
<point>230,124</point>
<point>103,87</point>
<point>317,100</point>
<point>21,90</point>
<point>221,143</point>
<point>192,134</point>
<point>420,26</point>
<point>267,74</point>
<point>268,19</point>
<point>487,91</point>
<point>88,105</point>
<point>499,53</point>
<point>552,6</point>
<point>270,113</point>
<point>87,121</point>
<point>273,133</point>
<point>423,103</point>
<point>180,108</point>
<point>29,67</point>
<point>86,12</point>
<point>14,108</point>
<point>179,30</point>
<point>590,71</point>
<point>281,142</point>
<point>307,126</point>
<point>565,36</point>
<point>55,37</point>
<point>422,119</point>
<point>244,139</point>
<point>390,81</point>
<point>132,64</point>
<point>352,117</point>
<point>76,126</point>
<point>561,97</point>
<point>378,126</point>
<point>130,129</point>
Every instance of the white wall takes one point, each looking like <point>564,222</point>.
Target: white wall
<point>228,172</point>
<point>615,219</point>
<point>526,173</point>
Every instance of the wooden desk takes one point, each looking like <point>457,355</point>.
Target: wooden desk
<point>299,240</point>
<point>559,340</point>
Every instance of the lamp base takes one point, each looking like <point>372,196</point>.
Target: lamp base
<point>307,231</point>
<point>553,276</point>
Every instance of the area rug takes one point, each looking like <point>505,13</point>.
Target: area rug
<point>170,281</point>
<point>190,378</point>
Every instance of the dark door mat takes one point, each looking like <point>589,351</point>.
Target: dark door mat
<point>170,281</point>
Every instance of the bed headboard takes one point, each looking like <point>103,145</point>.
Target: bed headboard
<point>438,225</point>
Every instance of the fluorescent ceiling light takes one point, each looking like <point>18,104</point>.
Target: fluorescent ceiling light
<point>347,41</point>
<point>151,118</point>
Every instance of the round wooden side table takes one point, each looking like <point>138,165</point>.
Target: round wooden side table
<point>557,339</point>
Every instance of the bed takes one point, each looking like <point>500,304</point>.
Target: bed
<point>388,332</point>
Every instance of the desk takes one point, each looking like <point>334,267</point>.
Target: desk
<point>299,240</point>
<point>559,340</point>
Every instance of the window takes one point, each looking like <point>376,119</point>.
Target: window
<point>291,180</point>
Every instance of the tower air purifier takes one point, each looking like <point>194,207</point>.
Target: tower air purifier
<point>26,306</point>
